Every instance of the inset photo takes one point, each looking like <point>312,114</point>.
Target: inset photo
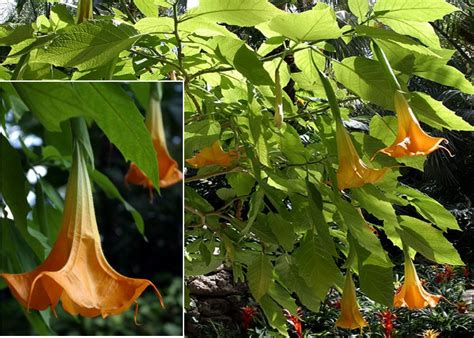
<point>91,208</point>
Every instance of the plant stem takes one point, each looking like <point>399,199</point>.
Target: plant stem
<point>386,66</point>
<point>214,174</point>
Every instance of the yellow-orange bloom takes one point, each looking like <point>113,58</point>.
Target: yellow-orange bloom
<point>350,317</point>
<point>168,167</point>
<point>352,171</point>
<point>411,294</point>
<point>76,271</point>
<point>411,140</point>
<point>214,155</point>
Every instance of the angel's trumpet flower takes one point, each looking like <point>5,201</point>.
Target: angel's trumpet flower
<point>350,317</point>
<point>411,140</point>
<point>352,171</point>
<point>411,294</point>
<point>168,167</point>
<point>84,10</point>
<point>76,271</point>
<point>213,155</point>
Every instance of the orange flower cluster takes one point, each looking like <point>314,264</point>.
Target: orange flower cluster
<point>76,271</point>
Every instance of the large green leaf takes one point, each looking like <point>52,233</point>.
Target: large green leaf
<point>429,208</point>
<point>428,241</point>
<point>259,275</point>
<point>236,53</point>
<point>365,78</point>
<point>423,31</point>
<point>274,314</point>
<point>435,114</point>
<point>242,13</point>
<point>316,24</point>
<point>13,187</point>
<point>316,266</point>
<point>110,107</point>
<point>359,8</point>
<point>112,192</point>
<point>414,10</point>
<point>88,45</point>
<point>374,201</point>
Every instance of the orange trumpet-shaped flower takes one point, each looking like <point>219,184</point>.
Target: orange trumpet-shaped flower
<point>76,271</point>
<point>412,295</point>
<point>350,317</point>
<point>411,140</point>
<point>352,171</point>
<point>168,167</point>
<point>214,155</point>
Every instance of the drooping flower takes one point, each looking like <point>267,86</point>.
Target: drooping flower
<point>85,10</point>
<point>412,294</point>
<point>350,317</point>
<point>247,313</point>
<point>168,167</point>
<point>76,271</point>
<point>411,140</point>
<point>213,155</point>
<point>352,171</point>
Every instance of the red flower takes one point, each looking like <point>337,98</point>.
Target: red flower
<point>466,272</point>
<point>386,319</point>
<point>247,314</point>
<point>294,321</point>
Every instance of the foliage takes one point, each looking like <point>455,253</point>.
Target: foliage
<point>279,222</point>
<point>36,152</point>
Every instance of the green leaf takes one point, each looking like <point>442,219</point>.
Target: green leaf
<point>236,53</point>
<point>423,31</point>
<point>359,8</point>
<point>150,7</point>
<point>112,192</point>
<point>10,36</point>
<point>274,314</point>
<point>13,186</point>
<point>246,13</point>
<point>435,114</point>
<point>413,10</point>
<point>282,297</point>
<point>283,231</point>
<point>428,241</point>
<point>429,208</point>
<point>155,25</point>
<point>256,204</point>
<point>259,276</point>
<point>316,266</point>
<point>110,107</point>
<point>446,75</point>
<point>375,275</point>
<point>315,211</point>
<point>242,183</point>
<point>88,45</point>
<point>374,201</point>
<point>360,230</point>
<point>365,78</point>
<point>316,24</point>
<point>401,41</point>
